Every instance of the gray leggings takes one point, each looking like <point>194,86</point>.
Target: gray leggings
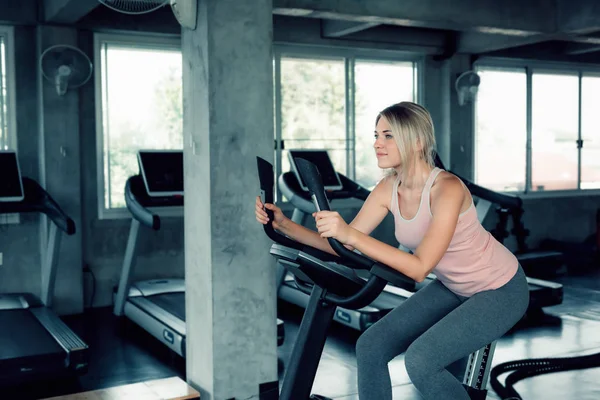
<point>436,327</point>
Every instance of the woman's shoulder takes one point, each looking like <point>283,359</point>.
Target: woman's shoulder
<point>447,184</point>
<point>384,188</point>
<point>386,183</point>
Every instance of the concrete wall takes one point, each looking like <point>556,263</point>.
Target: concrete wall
<point>160,254</point>
<point>103,241</point>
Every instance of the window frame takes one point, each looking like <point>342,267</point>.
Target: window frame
<point>146,41</point>
<point>530,67</point>
<point>8,32</point>
<point>349,56</point>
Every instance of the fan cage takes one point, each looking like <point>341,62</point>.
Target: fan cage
<point>134,6</point>
<point>58,80</point>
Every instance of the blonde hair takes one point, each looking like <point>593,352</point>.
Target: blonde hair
<point>412,129</point>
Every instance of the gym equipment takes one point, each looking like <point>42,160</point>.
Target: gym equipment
<point>34,342</point>
<point>542,293</point>
<point>332,282</point>
<point>157,305</point>
<point>290,184</point>
<point>527,368</point>
<point>539,264</point>
<point>578,256</point>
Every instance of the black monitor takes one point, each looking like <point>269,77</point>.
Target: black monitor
<point>11,184</point>
<point>162,171</point>
<point>321,159</point>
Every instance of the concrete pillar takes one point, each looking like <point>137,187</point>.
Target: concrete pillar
<point>60,171</point>
<point>436,97</point>
<point>462,127</point>
<point>230,276</point>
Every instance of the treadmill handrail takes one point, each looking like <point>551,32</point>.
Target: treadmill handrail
<point>502,199</point>
<point>138,211</point>
<point>38,200</point>
<point>311,176</point>
<point>350,189</point>
<point>138,201</point>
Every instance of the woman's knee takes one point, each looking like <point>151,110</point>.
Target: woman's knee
<point>419,364</point>
<point>371,348</point>
<point>366,345</point>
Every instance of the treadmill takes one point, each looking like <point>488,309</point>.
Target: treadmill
<point>156,305</point>
<point>542,293</point>
<point>34,342</point>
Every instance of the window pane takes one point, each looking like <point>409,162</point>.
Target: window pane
<point>377,86</point>
<point>3,107</point>
<point>142,108</point>
<point>555,120</point>
<point>590,132</point>
<point>313,107</point>
<point>501,129</point>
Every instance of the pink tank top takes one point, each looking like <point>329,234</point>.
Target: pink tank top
<point>475,260</point>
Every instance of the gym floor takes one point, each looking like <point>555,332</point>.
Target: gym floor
<point>123,353</point>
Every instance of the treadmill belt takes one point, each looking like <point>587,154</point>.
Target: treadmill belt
<point>173,303</point>
<point>22,335</point>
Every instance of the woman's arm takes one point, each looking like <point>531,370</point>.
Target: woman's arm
<point>305,236</point>
<point>447,199</point>
<point>372,212</point>
<point>375,207</point>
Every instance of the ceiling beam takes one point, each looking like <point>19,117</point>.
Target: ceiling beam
<point>19,11</point>
<point>576,49</point>
<point>580,17</point>
<point>477,43</point>
<point>514,17</point>
<point>307,31</point>
<point>337,28</point>
<point>67,11</point>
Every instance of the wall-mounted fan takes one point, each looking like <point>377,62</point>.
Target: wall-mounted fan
<point>66,67</point>
<point>134,6</point>
<point>467,86</point>
<point>184,10</point>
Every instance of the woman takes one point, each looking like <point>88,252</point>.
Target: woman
<point>480,292</point>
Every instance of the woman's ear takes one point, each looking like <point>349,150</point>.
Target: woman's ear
<point>419,145</point>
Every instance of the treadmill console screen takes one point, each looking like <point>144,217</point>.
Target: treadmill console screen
<point>11,185</point>
<point>321,159</point>
<point>162,171</point>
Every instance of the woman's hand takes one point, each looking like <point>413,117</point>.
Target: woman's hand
<point>331,224</point>
<point>262,217</point>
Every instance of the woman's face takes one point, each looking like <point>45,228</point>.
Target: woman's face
<point>385,146</point>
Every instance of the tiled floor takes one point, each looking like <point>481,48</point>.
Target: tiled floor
<point>572,328</point>
<point>173,388</point>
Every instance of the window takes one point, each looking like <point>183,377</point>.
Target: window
<point>537,129</point>
<point>377,85</point>
<point>554,131</point>
<point>330,101</point>
<point>139,106</point>
<point>313,111</point>
<point>501,129</point>
<point>8,139</point>
<point>590,132</point>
